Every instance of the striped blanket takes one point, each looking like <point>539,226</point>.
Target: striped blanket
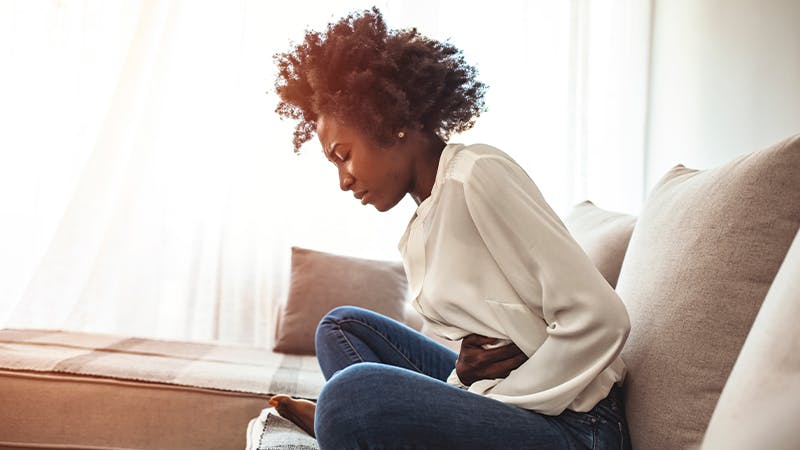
<point>210,365</point>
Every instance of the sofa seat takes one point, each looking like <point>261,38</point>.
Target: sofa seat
<point>69,389</point>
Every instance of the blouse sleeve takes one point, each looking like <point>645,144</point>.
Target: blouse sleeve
<point>587,323</point>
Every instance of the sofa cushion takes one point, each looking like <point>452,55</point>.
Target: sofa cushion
<point>322,281</point>
<point>760,404</point>
<point>704,252</point>
<point>603,235</point>
<point>61,389</point>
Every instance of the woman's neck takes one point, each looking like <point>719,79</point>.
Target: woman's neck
<point>429,149</point>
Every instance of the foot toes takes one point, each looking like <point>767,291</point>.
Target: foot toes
<point>276,400</point>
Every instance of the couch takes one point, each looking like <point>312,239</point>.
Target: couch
<point>709,272</point>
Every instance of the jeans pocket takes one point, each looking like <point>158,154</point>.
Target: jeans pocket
<point>585,418</point>
<point>608,411</point>
<point>612,435</point>
<point>612,428</point>
<point>610,408</point>
<point>582,426</point>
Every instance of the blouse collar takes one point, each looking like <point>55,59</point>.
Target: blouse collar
<point>447,154</point>
<point>424,207</point>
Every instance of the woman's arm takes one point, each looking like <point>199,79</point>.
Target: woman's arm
<point>587,323</point>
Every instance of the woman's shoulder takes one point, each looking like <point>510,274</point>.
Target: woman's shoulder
<point>467,157</point>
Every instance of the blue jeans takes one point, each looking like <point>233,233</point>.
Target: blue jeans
<point>386,389</point>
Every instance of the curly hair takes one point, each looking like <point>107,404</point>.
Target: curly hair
<point>377,80</point>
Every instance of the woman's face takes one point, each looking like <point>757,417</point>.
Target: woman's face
<point>378,176</point>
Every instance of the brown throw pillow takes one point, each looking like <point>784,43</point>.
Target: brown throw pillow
<point>322,281</point>
<point>704,252</point>
<point>603,235</point>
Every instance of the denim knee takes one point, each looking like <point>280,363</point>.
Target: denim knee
<point>342,312</point>
<point>331,321</point>
<point>350,404</point>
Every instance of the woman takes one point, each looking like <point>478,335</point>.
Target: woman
<point>488,262</point>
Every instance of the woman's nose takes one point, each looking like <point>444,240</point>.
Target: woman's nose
<point>345,180</point>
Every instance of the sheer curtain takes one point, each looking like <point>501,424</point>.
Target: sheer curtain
<point>148,188</point>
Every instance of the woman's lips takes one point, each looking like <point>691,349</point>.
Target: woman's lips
<point>361,196</point>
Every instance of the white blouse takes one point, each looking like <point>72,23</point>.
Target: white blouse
<point>485,254</point>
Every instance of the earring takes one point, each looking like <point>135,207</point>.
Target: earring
<point>401,135</point>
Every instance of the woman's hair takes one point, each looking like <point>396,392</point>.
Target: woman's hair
<point>377,80</point>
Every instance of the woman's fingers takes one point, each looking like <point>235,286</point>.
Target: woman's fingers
<point>497,363</point>
<point>501,369</point>
<point>512,350</point>
<point>476,363</point>
<point>479,356</point>
<point>511,367</point>
<point>476,340</point>
<point>501,353</point>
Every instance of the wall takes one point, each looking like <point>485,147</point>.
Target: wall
<point>724,81</point>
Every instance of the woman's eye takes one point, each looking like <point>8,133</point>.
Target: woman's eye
<point>339,157</point>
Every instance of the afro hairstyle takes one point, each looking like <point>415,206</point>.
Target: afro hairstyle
<point>376,80</point>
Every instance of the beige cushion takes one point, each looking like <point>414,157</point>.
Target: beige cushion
<point>603,235</point>
<point>704,252</point>
<point>322,281</point>
<point>760,405</point>
<point>79,412</point>
<point>61,389</point>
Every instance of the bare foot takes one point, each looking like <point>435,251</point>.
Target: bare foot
<point>299,412</point>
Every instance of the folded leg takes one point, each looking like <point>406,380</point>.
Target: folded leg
<point>349,335</point>
<point>373,405</point>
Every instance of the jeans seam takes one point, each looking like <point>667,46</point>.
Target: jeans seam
<point>349,344</point>
<point>391,344</point>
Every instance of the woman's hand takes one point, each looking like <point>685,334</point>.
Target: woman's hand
<point>476,363</point>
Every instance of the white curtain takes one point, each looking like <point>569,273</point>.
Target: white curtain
<point>148,188</point>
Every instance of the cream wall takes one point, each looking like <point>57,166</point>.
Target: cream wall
<point>724,80</point>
